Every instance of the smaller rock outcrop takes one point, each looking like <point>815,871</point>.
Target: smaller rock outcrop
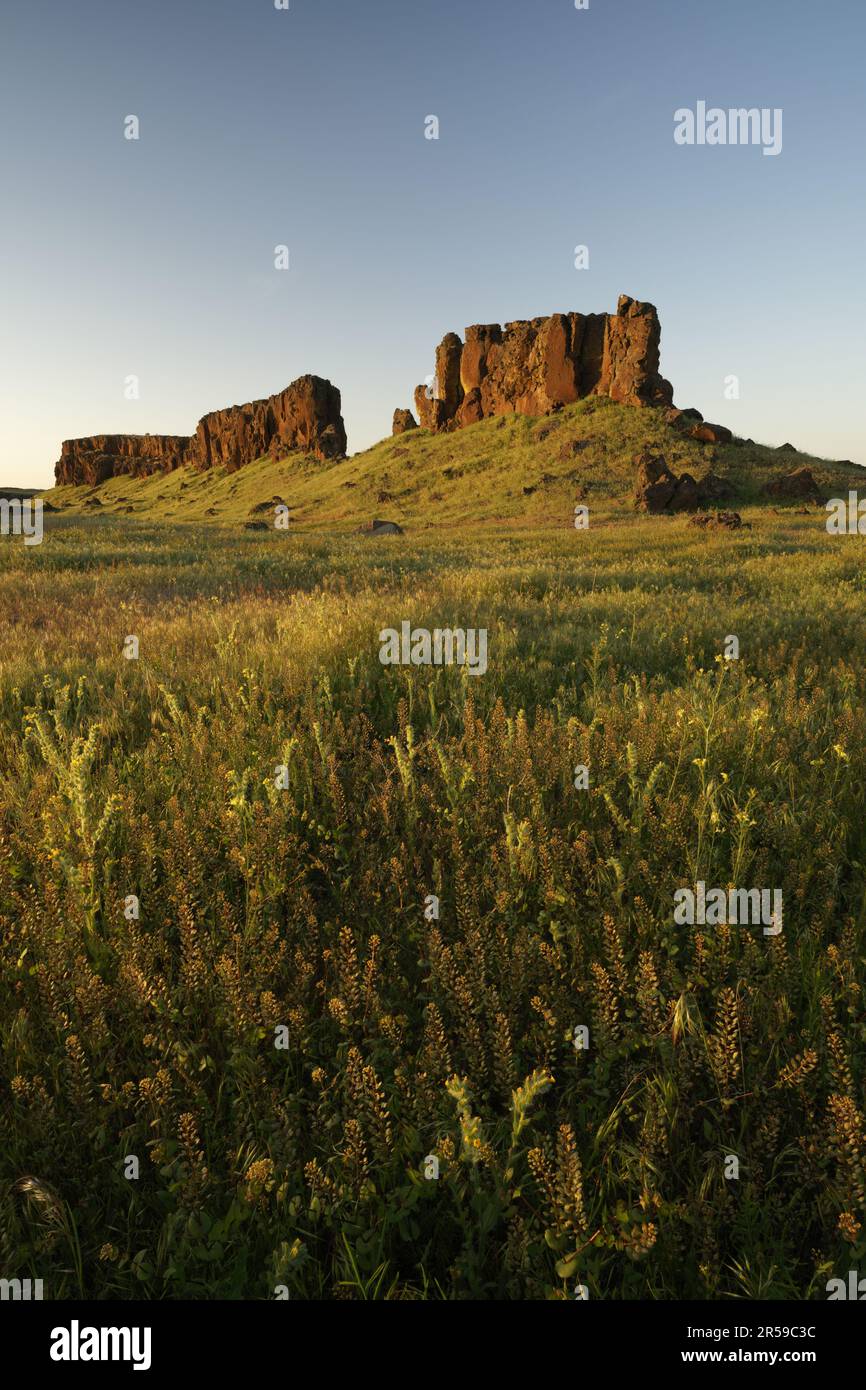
<point>730,521</point>
<point>306,416</point>
<point>687,497</point>
<point>658,489</point>
<point>797,485</point>
<point>706,433</point>
<point>712,488</point>
<point>95,459</point>
<point>276,501</point>
<point>380,528</point>
<point>656,484</point>
<point>674,415</point>
<point>404,421</point>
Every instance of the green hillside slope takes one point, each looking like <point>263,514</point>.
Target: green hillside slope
<point>510,469</point>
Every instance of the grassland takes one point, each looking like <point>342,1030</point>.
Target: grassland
<point>302,908</point>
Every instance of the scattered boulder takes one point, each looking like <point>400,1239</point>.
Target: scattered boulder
<point>706,433</point>
<point>798,484</point>
<point>712,488</point>
<point>404,421</point>
<point>267,506</point>
<point>656,484</point>
<point>256,526</point>
<point>658,489</point>
<point>380,528</point>
<point>675,415</point>
<point>786,449</point>
<point>732,521</point>
<point>686,496</point>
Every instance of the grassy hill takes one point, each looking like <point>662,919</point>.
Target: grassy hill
<point>510,469</point>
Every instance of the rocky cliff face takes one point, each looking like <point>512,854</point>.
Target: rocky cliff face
<point>533,366</point>
<point>306,416</point>
<point>404,421</point>
<point>104,456</point>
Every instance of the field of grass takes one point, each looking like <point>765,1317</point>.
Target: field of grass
<point>296,914</point>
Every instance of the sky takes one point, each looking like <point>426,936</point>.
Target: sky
<point>306,127</point>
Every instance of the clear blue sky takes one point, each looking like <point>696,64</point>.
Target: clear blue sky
<point>306,127</point>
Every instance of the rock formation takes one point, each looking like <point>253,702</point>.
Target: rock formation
<point>658,489</point>
<point>706,433</point>
<point>702,431</point>
<point>104,456</point>
<point>404,420</point>
<point>729,521</point>
<point>795,485</point>
<point>531,367</point>
<point>306,416</point>
<point>675,416</point>
<point>380,528</point>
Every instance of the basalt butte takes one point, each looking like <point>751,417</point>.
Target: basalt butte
<point>528,367</point>
<point>534,366</point>
<point>305,416</point>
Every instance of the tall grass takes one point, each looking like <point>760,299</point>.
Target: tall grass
<point>299,915</point>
